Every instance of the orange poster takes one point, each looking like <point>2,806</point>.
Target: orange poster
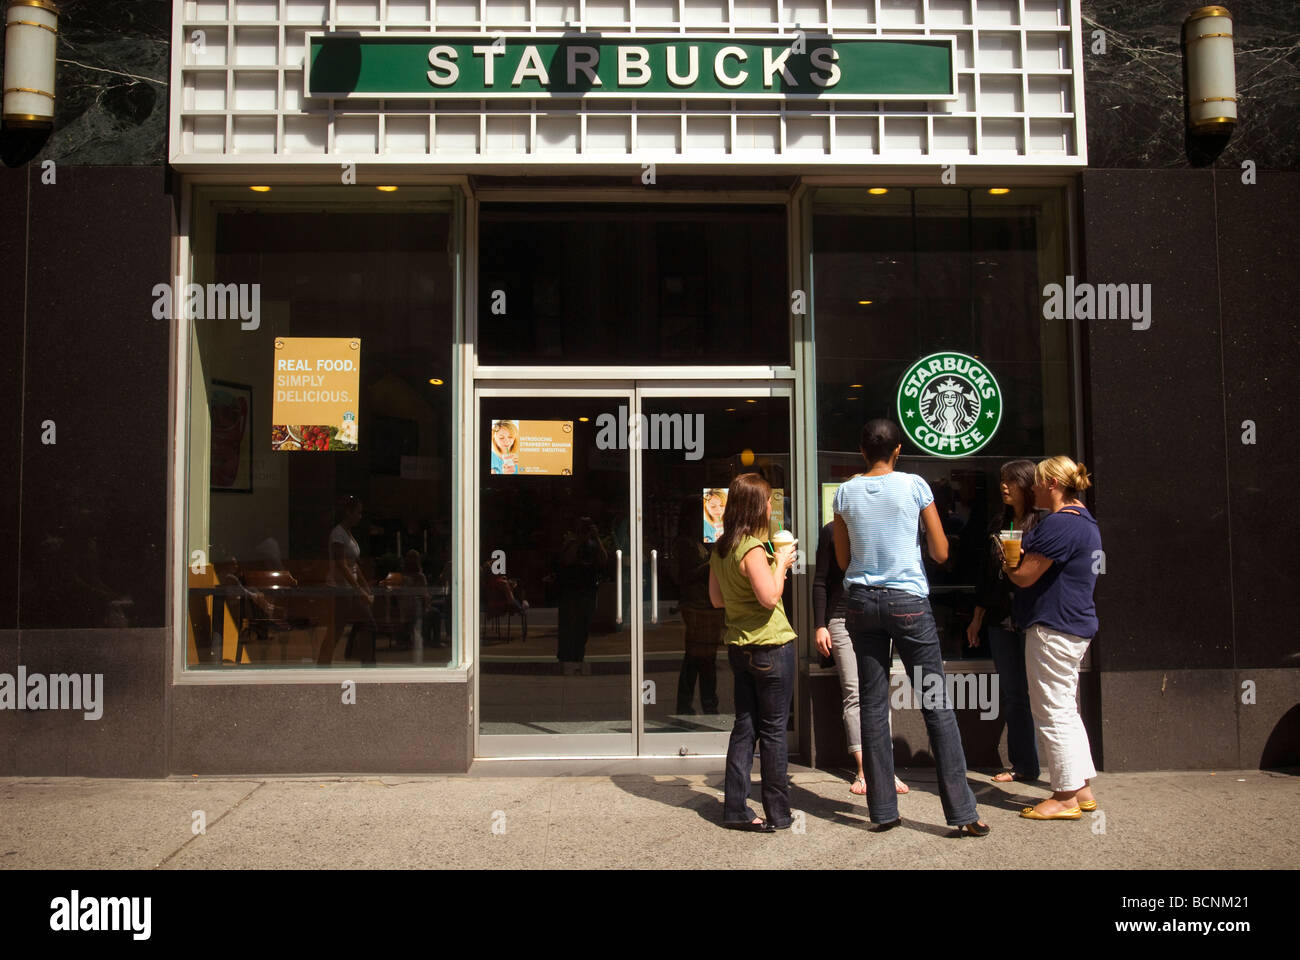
<point>317,386</point>
<point>541,447</point>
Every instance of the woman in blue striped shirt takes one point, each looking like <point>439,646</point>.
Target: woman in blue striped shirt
<point>877,544</point>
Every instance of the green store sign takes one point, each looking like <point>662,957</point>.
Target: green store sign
<point>949,404</point>
<point>343,66</point>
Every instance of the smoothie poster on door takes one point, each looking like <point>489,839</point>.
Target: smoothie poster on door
<point>715,505</point>
<point>828,502</point>
<point>317,384</point>
<point>537,447</point>
<point>778,513</point>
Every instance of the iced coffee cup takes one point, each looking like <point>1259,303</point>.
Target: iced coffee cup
<point>1010,540</point>
<point>782,539</point>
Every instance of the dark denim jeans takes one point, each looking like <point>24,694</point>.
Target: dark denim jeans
<point>876,617</point>
<point>764,686</point>
<point>1008,650</point>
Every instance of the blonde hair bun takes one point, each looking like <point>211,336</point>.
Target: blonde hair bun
<point>1081,479</point>
<point>1071,477</point>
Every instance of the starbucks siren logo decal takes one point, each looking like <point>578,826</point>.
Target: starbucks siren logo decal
<point>949,404</point>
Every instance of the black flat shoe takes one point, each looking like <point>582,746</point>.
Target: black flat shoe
<point>882,827</point>
<point>976,829</point>
<point>760,827</point>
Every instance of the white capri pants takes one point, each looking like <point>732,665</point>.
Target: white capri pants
<point>846,665</point>
<point>1052,661</point>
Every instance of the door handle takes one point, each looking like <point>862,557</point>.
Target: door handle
<point>654,586</point>
<point>618,587</point>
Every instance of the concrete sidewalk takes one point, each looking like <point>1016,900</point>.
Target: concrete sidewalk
<point>1168,820</point>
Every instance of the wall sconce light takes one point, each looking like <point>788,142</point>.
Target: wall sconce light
<point>31,41</point>
<point>1211,75</point>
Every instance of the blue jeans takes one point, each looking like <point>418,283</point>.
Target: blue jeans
<point>764,686</point>
<point>1008,650</point>
<point>875,617</point>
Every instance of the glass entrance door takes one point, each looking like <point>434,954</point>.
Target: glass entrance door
<point>686,701</point>
<point>596,510</point>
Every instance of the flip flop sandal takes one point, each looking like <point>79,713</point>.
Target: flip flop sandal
<point>857,780</point>
<point>1029,813</point>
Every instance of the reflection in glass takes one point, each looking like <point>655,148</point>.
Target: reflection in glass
<point>908,273</point>
<point>685,658</point>
<point>554,624</point>
<point>626,284</point>
<point>328,543</point>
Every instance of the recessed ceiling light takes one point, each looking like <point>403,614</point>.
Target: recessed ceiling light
<point>751,401</point>
<point>998,191</point>
<point>863,303</point>
<point>878,191</point>
<point>260,189</point>
<point>855,386</point>
<point>583,419</point>
<point>435,381</point>
<point>386,189</point>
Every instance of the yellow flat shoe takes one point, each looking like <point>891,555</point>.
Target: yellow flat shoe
<point>1087,806</point>
<point>1029,813</point>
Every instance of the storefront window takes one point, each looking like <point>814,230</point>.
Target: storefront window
<point>632,284</point>
<point>319,523</point>
<point>902,275</point>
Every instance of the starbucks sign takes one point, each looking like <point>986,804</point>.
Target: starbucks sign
<point>949,404</point>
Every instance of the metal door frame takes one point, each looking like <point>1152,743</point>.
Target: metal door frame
<point>569,746</point>
<point>639,743</point>
<point>693,744</point>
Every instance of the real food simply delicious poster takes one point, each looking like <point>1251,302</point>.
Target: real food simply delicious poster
<point>317,383</point>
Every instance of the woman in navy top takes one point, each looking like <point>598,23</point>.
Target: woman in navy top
<point>1057,575</point>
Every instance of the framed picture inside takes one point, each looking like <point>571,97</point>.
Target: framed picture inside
<point>230,409</point>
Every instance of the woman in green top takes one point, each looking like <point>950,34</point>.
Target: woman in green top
<point>747,578</point>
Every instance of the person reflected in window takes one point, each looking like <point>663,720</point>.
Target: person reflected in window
<point>832,639</point>
<point>1006,640</point>
<point>878,517</point>
<point>747,579</point>
<point>1057,575</point>
<point>582,559</point>
<point>417,601</point>
<point>500,596</point>
<point>352,595</point>
<point>702,623</point>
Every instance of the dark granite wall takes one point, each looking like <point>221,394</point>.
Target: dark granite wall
<point>94,363</point>
<point>1200,591</point>
<point>111,84</point>
<point>1133,93</point>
